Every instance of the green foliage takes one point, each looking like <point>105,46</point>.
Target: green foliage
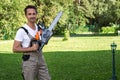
<point>11,17</point>
<point>50,9</point>
<point>47,10</point>
<point>73,14</point>
<point>117,28</point>
<point>115,12</point>
<point>66,35</point>
<point>108,29</point>
<point>105,12</point>
<point>59,29</point>
<point>91,28</point>
<point>76,13</point>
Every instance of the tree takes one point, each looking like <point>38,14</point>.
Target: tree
<point>115,12</point>
<point>11,17</point>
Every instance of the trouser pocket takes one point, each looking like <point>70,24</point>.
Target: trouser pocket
<point>25,57</point>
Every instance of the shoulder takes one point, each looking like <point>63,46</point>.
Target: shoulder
<point>23,29</point>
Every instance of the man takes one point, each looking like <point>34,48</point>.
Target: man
<point>33,65</point>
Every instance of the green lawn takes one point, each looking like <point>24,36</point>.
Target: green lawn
<point>80,58</point>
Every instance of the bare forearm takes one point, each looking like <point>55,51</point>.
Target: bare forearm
<point>18,48</point>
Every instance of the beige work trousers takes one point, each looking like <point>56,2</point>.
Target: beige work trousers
<point>35,67</point>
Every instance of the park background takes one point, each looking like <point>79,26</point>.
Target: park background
<point>80,47</point>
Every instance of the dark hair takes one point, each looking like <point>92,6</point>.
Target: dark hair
<point>29,7</point>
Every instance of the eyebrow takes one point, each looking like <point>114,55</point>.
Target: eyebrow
<point>31,13</point>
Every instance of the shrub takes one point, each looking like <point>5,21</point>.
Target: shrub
<point>108,29</point>
<point>66,35</point>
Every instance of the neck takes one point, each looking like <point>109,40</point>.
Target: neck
<point>31,25</point>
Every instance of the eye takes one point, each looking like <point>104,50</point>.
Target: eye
<point>29,13</point>
<point>34,13</point>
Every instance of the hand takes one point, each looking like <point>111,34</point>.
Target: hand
<point>34,47</point>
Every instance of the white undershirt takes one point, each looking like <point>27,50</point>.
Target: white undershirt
<point>22,36</point>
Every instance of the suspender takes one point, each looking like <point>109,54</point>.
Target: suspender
<point>25,30</point>
<point>29,35</point>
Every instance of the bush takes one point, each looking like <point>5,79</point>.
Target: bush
<point>11,17</point>
<point>66,35</point>
<point>108,29</point>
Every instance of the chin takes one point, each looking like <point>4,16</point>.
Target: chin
<point>32,21</point>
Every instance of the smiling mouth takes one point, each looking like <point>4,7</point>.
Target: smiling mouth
<point>32,18</point>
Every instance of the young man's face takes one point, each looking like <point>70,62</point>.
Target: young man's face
<point>31,15</point>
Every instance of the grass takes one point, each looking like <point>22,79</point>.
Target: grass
<point>80,58</point>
